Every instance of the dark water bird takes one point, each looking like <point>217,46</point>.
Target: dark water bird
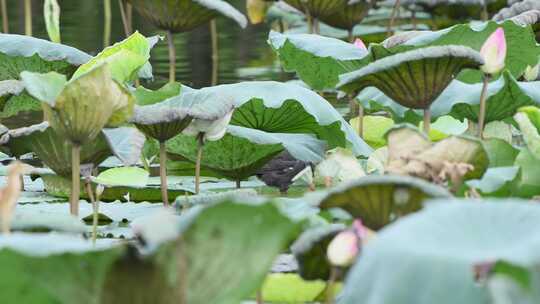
<point>281,170</point>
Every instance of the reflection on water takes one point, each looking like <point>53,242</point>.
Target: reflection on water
<point>241,52</point>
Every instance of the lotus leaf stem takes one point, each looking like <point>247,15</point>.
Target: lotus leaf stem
<point>5,20</point>
<point>427,121</point>
<point>163,172</point>
<point>75,179</point>
<point>200,145</point>
<point>350,35</point>
<point>28,17</point>
<point>215,51</point>
<point>482,111</point>
<point>238,184</point>
<point>395,11</point>
<point>414,21</point>
<point>361,121</point>
<point>334,273</point>
<point>172,57</point>
<point>259,297</point>
<point>107,23</point>
<point>90,193</point>
<point>309,19</point>
<point>125,13</point>
<point>316,26</point>
<point>484,15</point>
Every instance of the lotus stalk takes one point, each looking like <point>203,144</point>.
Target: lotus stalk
<point>9,195</point>
<point>172,56</point>
<point>75,179</point>
<point>494,54</point>
<point>5,18</point>
<point>163,172</point>
<point>28,17</point>
<point>126,12</point>
<point>395,12</point>
<point>362,46</point>
<point>215,51</point>
<point>107,14</point>
<point>427,120</point>
<point>200,146</point>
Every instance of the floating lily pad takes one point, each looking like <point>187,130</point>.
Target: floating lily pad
<point>451,238</point>
<point>380,200</point>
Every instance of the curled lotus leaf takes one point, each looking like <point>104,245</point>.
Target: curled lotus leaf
<point>414,78</point>
<point>349,16</point>
<point>81,108</point>
<point>185,15</point>
<point>380,200</point>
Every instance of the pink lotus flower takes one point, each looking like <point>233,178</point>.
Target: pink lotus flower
<point>494,52</point>
<point>345,247</point>
<point>360,44</point>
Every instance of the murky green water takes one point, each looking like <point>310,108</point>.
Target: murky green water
<point>242,51</point>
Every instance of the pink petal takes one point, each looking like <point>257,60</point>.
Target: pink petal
<point>360,44</point>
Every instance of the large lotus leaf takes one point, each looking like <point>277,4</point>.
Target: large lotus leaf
<point>80,108</point>
<point>348,16</point>
<point>23,53</point>
<point>287,108</point>
<point>380,200</point>
<point>310,251</point>
<point>529,181</point>
<point>126,143</point>
<point>186,15</point>
<point>423,159</point>
<point>318,60</point>
<point>415,78</point>
<point>521,44</point>
<point>461,100</point>
<point>497,182</point>
<point>124,58</point>
<point>230,236</point>
<point>437,249</point>
<point>242,151</point>
<point>500,152</point>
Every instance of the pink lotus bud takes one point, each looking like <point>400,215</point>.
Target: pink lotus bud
<point>345,247</point>
<point>494,52</point>
<point>360,44</point>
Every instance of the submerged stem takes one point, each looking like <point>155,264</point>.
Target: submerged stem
<point>107,23</point>
<point>172,57</point>
<point>28,17</point>
<point>482,112</point>
<point>215,51</point>
<point>163,173</point>
<point>200,145</point>
<point>5,20</point>
<point>427,121</point>
<point>75,179</point>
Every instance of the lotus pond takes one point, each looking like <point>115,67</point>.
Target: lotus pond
<point>293,151</point>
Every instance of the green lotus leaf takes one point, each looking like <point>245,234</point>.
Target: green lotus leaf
<point>522,49</point>
<point>186,15</point>
<point>243,151</point>
<point>380,200</point>
<point>145,97</point>
<point>415,78</point>
<point>530,133</point>
<point>310,251</point>
<point>500,152</point>
<point>318,8</point>
<point>126,143</point>
<point>348,16</point>
<point>529,181</point>
<point>374,129</point>
<point>80,108</point>
<point>462,100</point>
<point>124,58</point>
<point>441,246</point>
<point>497,182</point>
<point>34,220</point>
<point>242,236</point>
<point>318,60</point>
<point>287,108</point>
<point>411,153</point>
<point>23,53</point>
<point>206,199</point>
